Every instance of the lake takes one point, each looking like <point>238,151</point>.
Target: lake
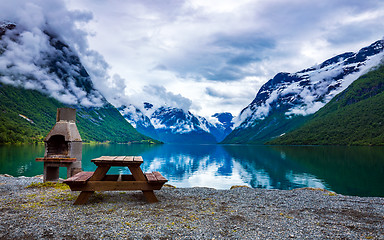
<point>357,171</point>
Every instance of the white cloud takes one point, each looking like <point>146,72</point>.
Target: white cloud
<point>187,47</point>
<point>196,42</point>
<point>28,56</point>
<point>159,96</point>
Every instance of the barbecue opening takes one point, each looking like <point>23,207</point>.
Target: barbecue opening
<point>57,146</point>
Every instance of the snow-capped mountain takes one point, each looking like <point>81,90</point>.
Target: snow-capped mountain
<point>174,125</point>
<point>285,101</point>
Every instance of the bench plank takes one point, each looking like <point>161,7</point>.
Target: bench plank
<point>119,158</point>
<point>96,159</point>
<point>150,177</point>
<point>80,178</point>
<point>159,177</point>
<point>137,159</point>
<point>85,176</point>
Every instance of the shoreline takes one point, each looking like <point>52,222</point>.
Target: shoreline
<point>86,143</point>
<point>186,213</point>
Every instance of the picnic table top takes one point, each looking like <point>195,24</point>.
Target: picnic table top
<point>118,160</point>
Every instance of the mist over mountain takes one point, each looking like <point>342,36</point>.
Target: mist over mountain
<point>36,59</point>
<point>40,73</point>
<point>286,101</point>
<point>54,69</point>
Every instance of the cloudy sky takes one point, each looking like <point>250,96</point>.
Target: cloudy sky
<point>204,56</point>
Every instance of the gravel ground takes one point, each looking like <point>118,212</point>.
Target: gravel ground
<point>187,213</point>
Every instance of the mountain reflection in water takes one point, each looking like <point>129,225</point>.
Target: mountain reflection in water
<point>345,170</point>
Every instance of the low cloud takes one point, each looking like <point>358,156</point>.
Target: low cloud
<point>29,57</point>
<point>159,96</point>
<point>213,92</point>
<point>209,42</point>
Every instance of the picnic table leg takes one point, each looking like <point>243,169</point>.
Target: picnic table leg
<point>139,176</point>
<point>98,175</point>
<point>150,196</point>
<point>82,198</point>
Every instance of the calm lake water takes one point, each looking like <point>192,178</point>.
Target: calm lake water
<point>355,171</point>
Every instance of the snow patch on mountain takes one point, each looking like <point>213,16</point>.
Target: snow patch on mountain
<point>307,91</point>
<point>319,96</point>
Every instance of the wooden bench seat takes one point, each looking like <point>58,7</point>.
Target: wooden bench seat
<point>155,177</point>
<point>82,178</point>
<point>79,178</point>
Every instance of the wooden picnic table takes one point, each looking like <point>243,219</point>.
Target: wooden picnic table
<point>89,182</point>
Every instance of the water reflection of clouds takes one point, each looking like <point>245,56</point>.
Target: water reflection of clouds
<point>21,170</point>
<point>305,180</point>
<point>261,179</point>
<point>208,166</point>
<point>207,175</point>
<point>155,164</point>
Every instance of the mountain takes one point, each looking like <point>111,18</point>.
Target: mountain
<point>139,120</point>
<point>354,117</point>
<point>222,126</point>
<point>175,125</point>
<point>40,73</point>
<point>290,99</point>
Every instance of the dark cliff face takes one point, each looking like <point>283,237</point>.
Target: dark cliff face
<point>292,95</point>
<point>60,61</point>
<point>5,26</point>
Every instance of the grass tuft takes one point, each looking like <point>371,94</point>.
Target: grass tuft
<point>55,185</point>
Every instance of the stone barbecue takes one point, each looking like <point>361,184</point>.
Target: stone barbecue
<point>63,146</point>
